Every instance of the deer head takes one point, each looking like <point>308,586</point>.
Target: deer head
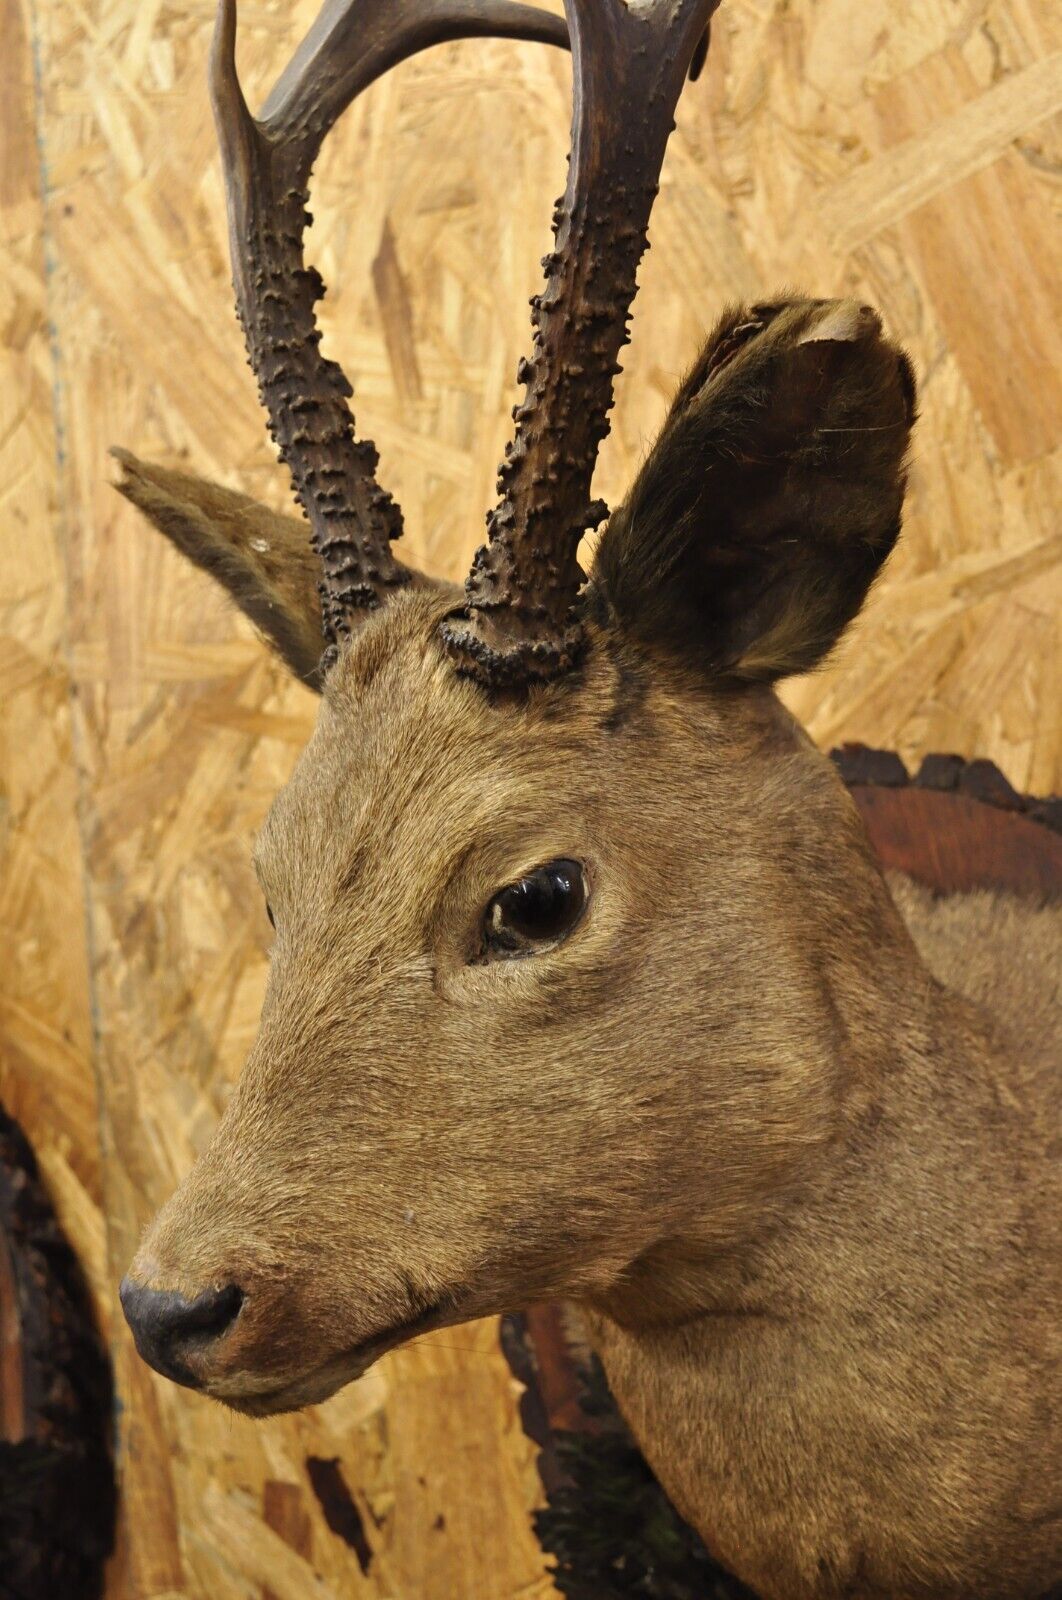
<point>552,882</point>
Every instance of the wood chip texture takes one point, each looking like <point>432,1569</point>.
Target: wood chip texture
<point>910,154</point>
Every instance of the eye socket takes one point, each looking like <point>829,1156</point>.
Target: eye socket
<point>537,912</point>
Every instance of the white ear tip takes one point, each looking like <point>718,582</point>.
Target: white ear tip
<point>843,321</point>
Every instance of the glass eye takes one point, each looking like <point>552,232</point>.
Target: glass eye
<point>537,912</point>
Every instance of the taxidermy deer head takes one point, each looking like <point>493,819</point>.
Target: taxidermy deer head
<point>545,880</point>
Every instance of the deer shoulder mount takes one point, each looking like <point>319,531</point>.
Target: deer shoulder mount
<point>584,981</point>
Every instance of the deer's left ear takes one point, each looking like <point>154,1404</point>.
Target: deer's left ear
<point>772,496</point>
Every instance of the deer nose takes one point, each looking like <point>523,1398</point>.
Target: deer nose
<point>172,1333</point>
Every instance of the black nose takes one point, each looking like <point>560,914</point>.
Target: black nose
<point>168,1329</point>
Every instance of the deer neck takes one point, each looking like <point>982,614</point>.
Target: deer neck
<point>875,1305</point>
<point>888,1042</point>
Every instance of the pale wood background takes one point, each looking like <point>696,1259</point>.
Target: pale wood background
<point>908,151</point>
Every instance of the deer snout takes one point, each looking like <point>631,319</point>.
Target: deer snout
<point>178,1336</point>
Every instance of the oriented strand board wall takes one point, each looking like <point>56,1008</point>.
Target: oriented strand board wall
<point>908,151</point>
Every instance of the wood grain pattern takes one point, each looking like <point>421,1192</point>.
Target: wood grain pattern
<point>951,840</point>
<point>906,153</point>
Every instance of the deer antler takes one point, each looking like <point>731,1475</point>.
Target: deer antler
<point>267,165</point>
<point>630,60</point>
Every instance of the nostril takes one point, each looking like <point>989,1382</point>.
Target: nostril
<point>210,1313</point>
<point>167,1326</point>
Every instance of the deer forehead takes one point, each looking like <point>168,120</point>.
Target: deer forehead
<point>412,766</point>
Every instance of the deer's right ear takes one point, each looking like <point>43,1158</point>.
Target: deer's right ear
<point>263,559</point>
<point>772,496</point>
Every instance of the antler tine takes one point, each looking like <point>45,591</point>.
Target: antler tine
<point>630,61</point>
<point>267,165</point>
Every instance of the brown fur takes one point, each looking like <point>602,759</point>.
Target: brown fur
<point>263,559</point>
<point>800,1189</point>
<point>773,494</point>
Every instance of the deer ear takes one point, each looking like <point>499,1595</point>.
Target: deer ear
<point>263,559</point>
<point>772,496</point>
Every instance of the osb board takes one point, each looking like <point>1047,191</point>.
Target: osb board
<point>908,153</point>
<point>46,1055</point>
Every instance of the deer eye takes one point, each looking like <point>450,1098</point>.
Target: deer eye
<point>269,914</point>
<point>537,912</point>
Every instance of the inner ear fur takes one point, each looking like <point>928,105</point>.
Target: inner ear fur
<point>772,496</point>
<point>263,559</point>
